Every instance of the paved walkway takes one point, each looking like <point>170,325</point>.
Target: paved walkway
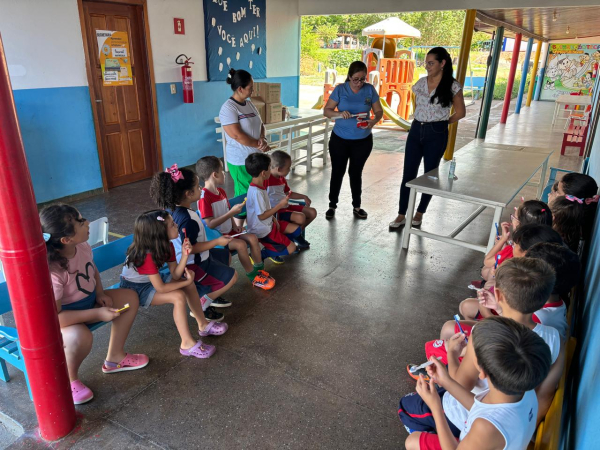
<point>319,361</point>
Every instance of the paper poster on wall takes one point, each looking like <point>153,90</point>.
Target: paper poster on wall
<point>235,36</point>
<point>571,68</point>
<point>113,48</point>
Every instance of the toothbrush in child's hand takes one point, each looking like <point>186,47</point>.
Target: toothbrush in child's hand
<point>457,319</point>
<point>422,366</point>
<point>239,234</point>
<point>123,308</point>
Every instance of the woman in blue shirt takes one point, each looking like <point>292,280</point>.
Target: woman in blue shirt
<point>347,142</point>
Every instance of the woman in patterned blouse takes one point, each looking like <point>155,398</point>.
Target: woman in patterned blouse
<point>435,95</point>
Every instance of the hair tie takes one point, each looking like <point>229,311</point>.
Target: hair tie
<point>176,174</point>
<point>160,218</point>
<point>46,236</point>
<point>593,199</point>
<point>544,210</point>
<point>572,198</point>
<point>228,75</point>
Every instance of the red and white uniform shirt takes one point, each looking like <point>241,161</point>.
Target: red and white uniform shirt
<point>215,205</point>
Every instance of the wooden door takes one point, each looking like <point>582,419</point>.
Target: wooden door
<point>127,144</point>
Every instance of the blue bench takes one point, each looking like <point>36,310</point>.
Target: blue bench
<point>477,85</point>
<point>552,178</point>
<point>105,257</point>
<point>213,233</point>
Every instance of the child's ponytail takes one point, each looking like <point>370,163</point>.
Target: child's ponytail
<point>58,221</point>
<point>149,236</point>
<point>534,211</point>
<point>168,188</point>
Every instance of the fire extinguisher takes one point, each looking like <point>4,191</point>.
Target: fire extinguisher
<point>186,78</point>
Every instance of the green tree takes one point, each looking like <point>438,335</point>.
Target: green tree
<point>327,32</point>
<point>309,43</point>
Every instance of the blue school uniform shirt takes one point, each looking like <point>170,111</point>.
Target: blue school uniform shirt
<point>194,229</point>
<point>360,102</point>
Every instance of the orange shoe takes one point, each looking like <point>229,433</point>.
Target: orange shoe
<point>263,282</point>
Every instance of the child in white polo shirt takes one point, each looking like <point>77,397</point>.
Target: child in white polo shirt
<point>275,235</point>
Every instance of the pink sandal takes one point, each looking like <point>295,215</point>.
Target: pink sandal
<point>214,329</point>
<point>81,393</point>
<point>199,350</point>
<point>130,362</point>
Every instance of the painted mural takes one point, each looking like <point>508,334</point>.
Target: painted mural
<point>571,68</point>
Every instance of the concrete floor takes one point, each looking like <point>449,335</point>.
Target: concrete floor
<point>319,361</point>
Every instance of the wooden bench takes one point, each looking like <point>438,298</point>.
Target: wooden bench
<point>105,257</point>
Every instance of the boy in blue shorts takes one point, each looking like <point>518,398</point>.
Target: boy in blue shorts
<point>275,235</point>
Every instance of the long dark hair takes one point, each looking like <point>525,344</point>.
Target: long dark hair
<point>150,236</point>
<point>568,218</point>
<point>584,187</point>
<point>166,193</point>
<point>238,78</point>
<point>443,92</point>
<point>355,67</point>
<point>58,221</point>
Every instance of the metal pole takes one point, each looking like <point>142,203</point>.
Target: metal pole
<point>538,87</point>
<point>536,60</point>
<point>461,72</point>
<point>511,78</point>
<point>490,83</point>
<point>524,76</point>
<point>23,255</point>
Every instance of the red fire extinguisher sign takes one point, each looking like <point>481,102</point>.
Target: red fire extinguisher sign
<point>186,78</point>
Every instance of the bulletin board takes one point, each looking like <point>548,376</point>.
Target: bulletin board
<point>570,68</point>
<point>235,36</point>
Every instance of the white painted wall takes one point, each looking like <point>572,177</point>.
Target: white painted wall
<point>44,47</point>
<point>321,7</point>
<point>43,44</point>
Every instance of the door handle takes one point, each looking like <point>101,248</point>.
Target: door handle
<point>98,101</point>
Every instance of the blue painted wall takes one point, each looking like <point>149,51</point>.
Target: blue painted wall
<point>59,139</point>
<point>583,399</point>
<point>58,132</point>
<point>187,131</point>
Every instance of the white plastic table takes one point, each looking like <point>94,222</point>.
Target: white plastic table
<point>487,175</point>
<point>568,100</point>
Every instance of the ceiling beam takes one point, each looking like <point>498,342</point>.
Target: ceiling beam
<point>482,17</point>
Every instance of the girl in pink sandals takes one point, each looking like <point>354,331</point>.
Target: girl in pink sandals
<point>81,300</point>
<point>151,249</point>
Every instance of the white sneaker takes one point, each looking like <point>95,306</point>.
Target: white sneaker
<point>395,225</point>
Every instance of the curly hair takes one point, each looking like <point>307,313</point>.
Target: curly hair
<point>59,222</point>
<point>150,236</point>
<point>166,193</point>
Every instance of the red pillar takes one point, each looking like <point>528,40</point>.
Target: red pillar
<point>511,77</point>
<point>23,254</point>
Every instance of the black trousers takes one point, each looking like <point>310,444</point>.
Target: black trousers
<point>426,141</point>
<point>356,151</point>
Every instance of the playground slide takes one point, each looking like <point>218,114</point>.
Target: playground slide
<point>393,116</point>
<point>319,104</point>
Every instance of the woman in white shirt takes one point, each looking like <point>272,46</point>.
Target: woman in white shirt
<point>435,95</point>
<point>244,130</point>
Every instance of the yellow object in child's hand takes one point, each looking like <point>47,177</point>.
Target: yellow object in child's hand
<point>244,202</point>
<point>123,308</point>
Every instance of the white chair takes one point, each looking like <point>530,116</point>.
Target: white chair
<point>98,231</point>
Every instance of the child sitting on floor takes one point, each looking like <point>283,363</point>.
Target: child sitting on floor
<point>216,212</point>
<point>176,190</point>
<point>522,287</point>
<point>525,237</point>
<point>275,235</point>
<point>277,188</point>
<point>81,300</point>
<point>149,251</point>
<point>513,360</point>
